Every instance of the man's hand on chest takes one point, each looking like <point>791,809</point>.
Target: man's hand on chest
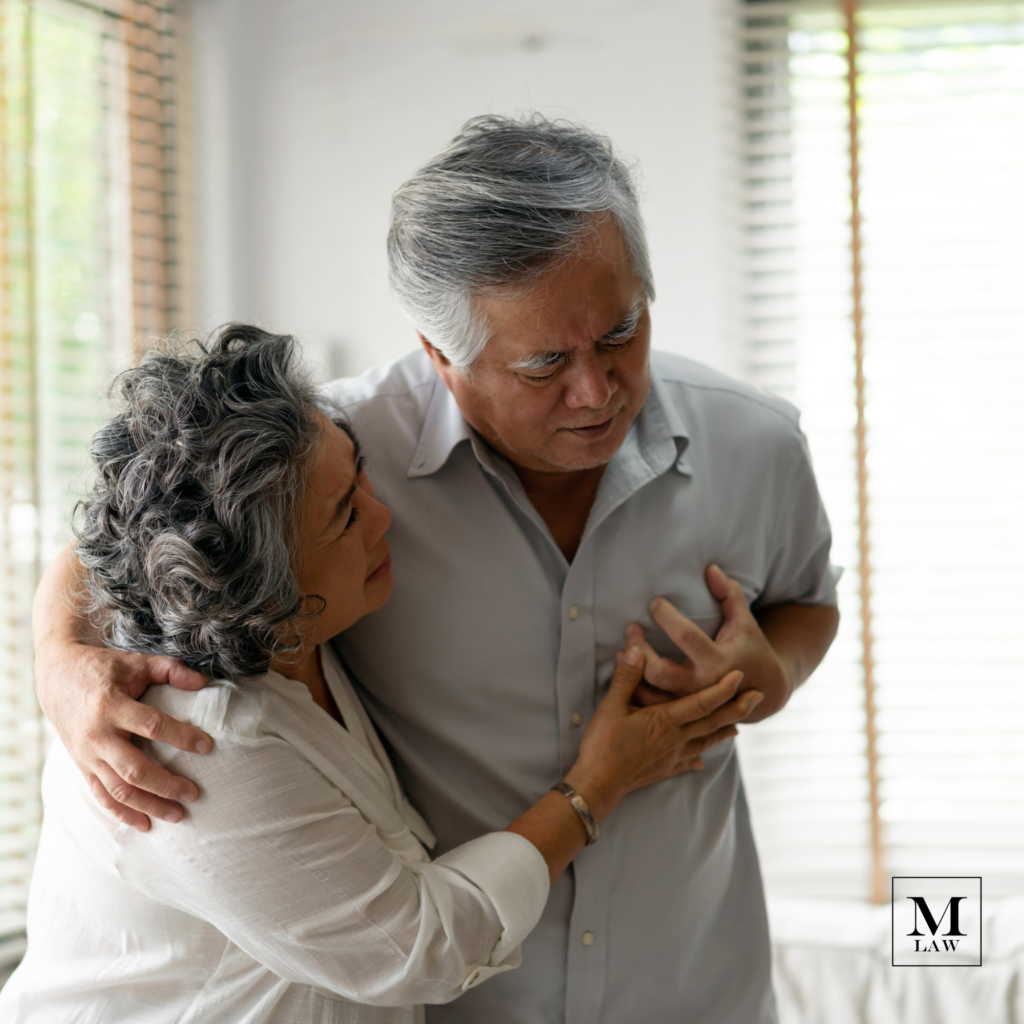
<point>774,659</point>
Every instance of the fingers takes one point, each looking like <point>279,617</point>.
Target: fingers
<point>728,714</point>
<point>701,704</point>
<point>728,591</point>
<point>701,744</point>
<point>645,695</point>
<point>696,747</point>
<point>624,682</point>
<point>134,771</point>
<point>635,634</point>
<point>182,677</point>
<point>683,632</point>
<point>663,673</point>
<point>143,720</point>
<point>123,814</point>
<point>635,637</point>
<point>130,801</point>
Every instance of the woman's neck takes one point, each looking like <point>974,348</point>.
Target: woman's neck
<point>310,671</point>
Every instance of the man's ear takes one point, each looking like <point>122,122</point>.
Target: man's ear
<point>436,355</point>
<point>441,362</point>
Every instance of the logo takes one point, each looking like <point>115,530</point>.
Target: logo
<point>936,922</point>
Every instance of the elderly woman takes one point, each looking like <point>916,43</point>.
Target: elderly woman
<point>233,526</point>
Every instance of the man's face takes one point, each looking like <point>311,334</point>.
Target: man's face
<point>566,369</point>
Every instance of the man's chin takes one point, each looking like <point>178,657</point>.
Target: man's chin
<point>570,454</point>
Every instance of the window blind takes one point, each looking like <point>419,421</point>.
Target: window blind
<point>87,263</point>
<point>939,95</point>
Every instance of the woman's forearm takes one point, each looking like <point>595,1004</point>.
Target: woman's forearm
<point>555,828</point>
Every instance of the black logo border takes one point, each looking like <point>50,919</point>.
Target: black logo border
<point>892,919</point>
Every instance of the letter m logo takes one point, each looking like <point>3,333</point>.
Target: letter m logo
<point>952,908</point>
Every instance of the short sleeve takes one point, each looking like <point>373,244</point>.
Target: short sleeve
<point>800,569</point>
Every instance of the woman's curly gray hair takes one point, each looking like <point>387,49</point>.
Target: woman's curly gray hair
<point>188,537</point>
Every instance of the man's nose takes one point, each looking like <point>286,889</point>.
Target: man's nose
<point>588,385</point>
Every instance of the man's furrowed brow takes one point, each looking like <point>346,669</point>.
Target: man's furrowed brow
<point>539,361</point>
<point>626,327</point>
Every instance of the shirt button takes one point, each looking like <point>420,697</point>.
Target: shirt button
<point>588,938</point>
<point>573,611</point>
<point>577,718</point>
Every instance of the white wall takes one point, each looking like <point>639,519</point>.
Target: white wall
<point>311,112</point>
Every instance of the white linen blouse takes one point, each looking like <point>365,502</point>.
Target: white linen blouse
<point>297,889</point>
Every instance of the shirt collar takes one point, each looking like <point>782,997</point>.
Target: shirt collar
<point>661,432</point>
<point>443,430</point>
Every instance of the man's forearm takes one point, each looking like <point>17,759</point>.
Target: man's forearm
<point>800,635</point>
<point>57,607</point>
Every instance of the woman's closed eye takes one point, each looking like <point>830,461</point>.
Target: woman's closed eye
<point>353,517</point>
<point>347,512</point>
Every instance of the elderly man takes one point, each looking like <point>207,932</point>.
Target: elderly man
<point>547,478</point>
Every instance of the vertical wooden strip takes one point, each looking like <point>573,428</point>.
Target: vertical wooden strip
<point>148,31</point>
<point>878,883</point>
<point>146,177</point>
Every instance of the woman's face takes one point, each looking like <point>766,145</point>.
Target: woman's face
<point>343,556</point>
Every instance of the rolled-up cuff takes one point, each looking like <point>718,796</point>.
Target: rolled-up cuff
<point>825,593</point>
<point>509,869</point>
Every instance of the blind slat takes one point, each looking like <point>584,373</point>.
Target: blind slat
<point>942,155</point>
<point>72,196</point>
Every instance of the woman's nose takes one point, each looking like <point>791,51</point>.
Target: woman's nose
<point>379,517</point>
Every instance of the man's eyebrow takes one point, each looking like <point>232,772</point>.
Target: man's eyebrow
<point>540,361</point>
<point>625,328</point>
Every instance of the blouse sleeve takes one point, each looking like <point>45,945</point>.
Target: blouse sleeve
<point>277,859</point>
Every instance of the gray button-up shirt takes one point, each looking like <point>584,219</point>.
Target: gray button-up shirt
<point>483,669</point>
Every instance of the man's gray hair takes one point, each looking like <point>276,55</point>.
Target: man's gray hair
<point>507,200</point>
<point>188,538</point>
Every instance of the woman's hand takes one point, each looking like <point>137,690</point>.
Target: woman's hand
<point>626,747</point>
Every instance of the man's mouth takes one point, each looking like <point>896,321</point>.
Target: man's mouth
<point>595,432</point>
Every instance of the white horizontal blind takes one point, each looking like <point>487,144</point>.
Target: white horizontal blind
<point>20,733</point>
<point>806,770</point>
<point>85,266</point>
<point>942,157</point>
